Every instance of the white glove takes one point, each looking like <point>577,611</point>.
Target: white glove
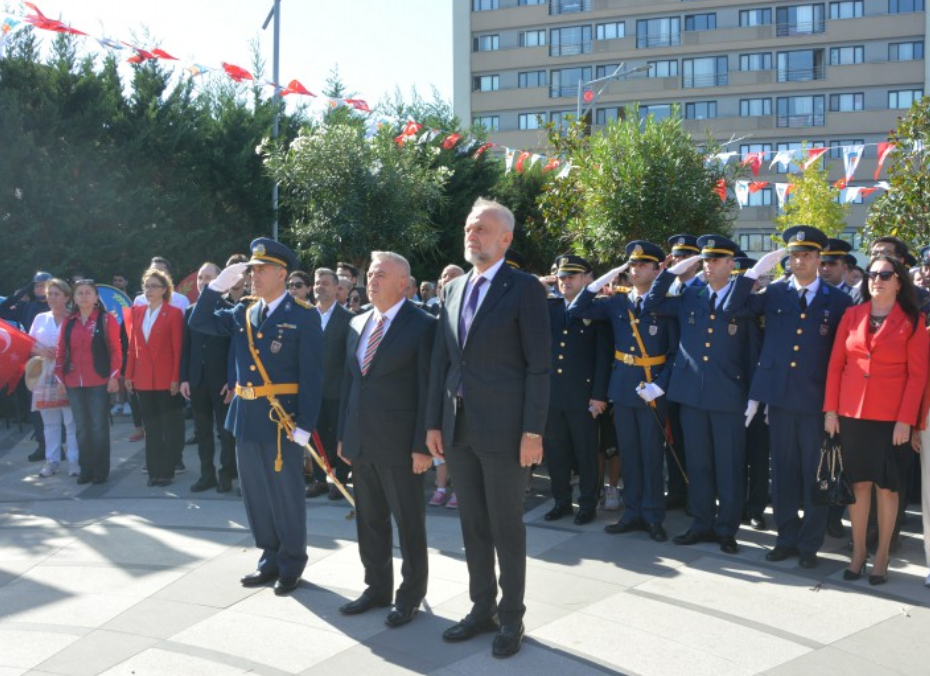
<point>766,414</point>
<point>766,263</point>
<point>751,410</point>
<point>649,391</point>
<point>599,283</point>
<point>228,278</point>
<point>301,437</point>
<point>682,267</point>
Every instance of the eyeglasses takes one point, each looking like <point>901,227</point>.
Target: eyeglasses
<point>296,285</point>
<point>884,275</point>
<point>355,300</point>
<point>149,287</point>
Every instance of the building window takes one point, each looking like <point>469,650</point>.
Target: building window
<point>710,71</point>
<point>799,20</point>
<point>850,9</point>
<point>487,43</point>
<point>560,118</point>
<point>847,56</point>
<point>531,120</point>
<point>487,83</point>
<point>605,69</point>
<point>484,5</point>
<point>532,38</point>
<point>759,61</point>
<point>800,111</point>
<point>747,148</point>
<point>569,6</point>
<point>755,17</point>
<point>800,66</point>
<point>663,68</point>
<point>570,41</point>
<point>659,111</point>
<point>531,78</point>
<point>836,146</point>
<point>758,242</point>
<point>524,3</point>
<point>755,107</point>
<point>610,31</point>
<point>701,22</point>
<point>701,110</point>
<point>906,51</point>
<point>847,103</point>
<point>564,82</point>
<point>905,6</point>
<point>658,32</point>
<point>489,122</point>
<point>605,115</point>
<point>903,98</point>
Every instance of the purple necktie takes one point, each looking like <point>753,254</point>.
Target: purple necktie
<point>468,312</point>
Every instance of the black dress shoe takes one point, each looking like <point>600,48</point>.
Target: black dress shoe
<point>757,522</point>
<point>99,481</point>
<point>835,529</point>
<point>470,627</point>
<point>584,516</point>
<point>223,484</point>
<point>852,575</point>
<point>808,560</point>
<point>285,585</point>
<point>780,553</point>
<point>81,480</point>
<point>728,544</point>
<point>876,580</point>
<point>625,526</point>
<point>657,533</point>
<point>362,604</point>
<point>316,489</point>
<point>401,614</point>
<point>203,484</point>
<point>334,493</point>
<point>508,640</point>
<point>673,502</point>
<point>691,537</point>
<point>257,579</point>
<point>37,455</point>
<point>558,512</point>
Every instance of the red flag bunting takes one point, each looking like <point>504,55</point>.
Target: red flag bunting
<point>358,104</point>
<point>521,160</point>
<point>411,129</point>
<point>754,160</point>
<point>15,347</point>
<point>865,192</point>
<point>295,87</point>
<point>840,184</point>
<point>39,20</point>
<point>553,163</point>
<point>162,54</point>
<point>884,149</point>
<point>756,186</point>
<point>813,155</point>
<point>236,73</point>
<point>451,140</point>
<point>483,149</point>
<point>721,189</point>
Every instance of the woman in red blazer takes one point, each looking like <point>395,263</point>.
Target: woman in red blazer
<point>152,371</point>
<point>876,378</point>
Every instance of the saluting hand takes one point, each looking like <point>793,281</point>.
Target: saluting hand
<point>229,277</point>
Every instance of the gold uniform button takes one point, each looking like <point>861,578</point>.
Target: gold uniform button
<point>565,332</point>
<point>713,316</point>
<point>706,344</point>
<point>561,344</point>
<point>561,357</point>
<point>706,358</point>
<point>258,335</point>
<point>803,316</point>
<point>797,347</point>
<point>252,367</point>
<point>794,364</point>
<point>559,371</point>
<point>248,384</point>
<point>710,330</point>
<point>800,332</point>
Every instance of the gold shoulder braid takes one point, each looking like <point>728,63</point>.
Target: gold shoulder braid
<point>302,303</point>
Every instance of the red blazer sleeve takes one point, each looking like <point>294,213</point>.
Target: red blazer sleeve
<point>918,353</point>
<point>133,322</point>
<point>831,400</point>
<point>176,315</point>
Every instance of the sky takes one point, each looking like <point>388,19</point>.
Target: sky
<point>378,45</point>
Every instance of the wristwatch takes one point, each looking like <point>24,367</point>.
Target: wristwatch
<point>532,435</point>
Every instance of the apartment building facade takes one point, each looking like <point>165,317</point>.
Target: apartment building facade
<point>770,74</point>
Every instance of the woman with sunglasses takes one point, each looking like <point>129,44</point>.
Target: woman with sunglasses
<point>356,300</point>
<point>300,285</point>
<point>877,374</point>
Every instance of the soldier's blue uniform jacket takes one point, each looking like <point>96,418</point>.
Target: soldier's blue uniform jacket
<point>713,365</point>
<point>659,335</point>
<point>581,356</point>
<point>289,345</point>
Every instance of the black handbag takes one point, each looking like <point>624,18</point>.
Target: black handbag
<point>832,486</point>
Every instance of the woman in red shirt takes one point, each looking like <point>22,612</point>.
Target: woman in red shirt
<point>87,364</point>
<point>152,372</point>
<point>877,374</point>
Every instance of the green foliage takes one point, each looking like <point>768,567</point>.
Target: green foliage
<point>904,211</point>
<point>813,201</point>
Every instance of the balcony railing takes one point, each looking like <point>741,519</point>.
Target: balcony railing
<point>571,48</point>
<point>570,6</point>
<point>800,28</point>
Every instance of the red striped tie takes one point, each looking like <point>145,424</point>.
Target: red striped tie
<point>374,340</point>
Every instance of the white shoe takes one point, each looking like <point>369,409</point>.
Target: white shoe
<point>116,410</point>
<point>612,499</point>
<point>127,409</point>
<point>927,581</point>
<point>48,469</point>
<point>74,469</point>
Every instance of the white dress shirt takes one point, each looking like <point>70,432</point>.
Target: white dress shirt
<point>149,321</point>
<point>483,291</point>
<point>388,317</point>
<point>325,316</point>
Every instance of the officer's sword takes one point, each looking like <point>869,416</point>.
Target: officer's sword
<point>668,439</point>
<point>318,458</point>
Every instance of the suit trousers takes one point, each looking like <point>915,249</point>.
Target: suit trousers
<point>796,441</point>
<point>209,415</point>
<point>571,438</point>
<point>716,459</point>
<point>380,493</point>
<point>677,486</point>
<point>490,488</point>
<point>756,489</point>
<point>275,504</point>
<point>160,415</point>
<point>641,454</point>
<point>327,427</point>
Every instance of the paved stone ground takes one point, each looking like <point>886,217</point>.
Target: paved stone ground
<point>124,579</point>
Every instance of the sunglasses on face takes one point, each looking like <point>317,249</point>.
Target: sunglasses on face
<point>355,300</point>
<point>884,275</point>
<point>296,285</point>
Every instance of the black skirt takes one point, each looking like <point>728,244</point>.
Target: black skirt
<point>870,455</point>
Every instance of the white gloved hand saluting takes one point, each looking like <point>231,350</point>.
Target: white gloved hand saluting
<point>766,263</point>
<point>649,391</point>
<point>599,283</point>
<point>751,410</point>
<point>228,278</point>
<point>682,267</point>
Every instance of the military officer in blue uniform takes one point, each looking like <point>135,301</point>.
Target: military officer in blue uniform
<point>644,347</point>
<point>278,345</point>
<point>710,379</point>
<point>581,356</point>
<point>801,316</point>
<point>835,262</point>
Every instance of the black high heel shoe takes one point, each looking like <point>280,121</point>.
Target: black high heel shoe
<point>876,580</point>
<point>852,575</point>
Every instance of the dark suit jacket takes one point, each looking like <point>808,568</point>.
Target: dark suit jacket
<point>503,368</point>
<point>383,413</point>
<point>334,351</point>
<point>204,357</point>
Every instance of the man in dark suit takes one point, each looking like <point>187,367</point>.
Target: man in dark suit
<point>278,345</point>
<point>204,369</point>
<point>335,321</point>
<point>383,436</point>
<point>489,396</point>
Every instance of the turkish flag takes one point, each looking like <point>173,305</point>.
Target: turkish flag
<point>187,287</point>
<point>721,189</point>
<point>236,73</point>
<point>451,140</point>
<point>15,348</point>
<point>295,87</point>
